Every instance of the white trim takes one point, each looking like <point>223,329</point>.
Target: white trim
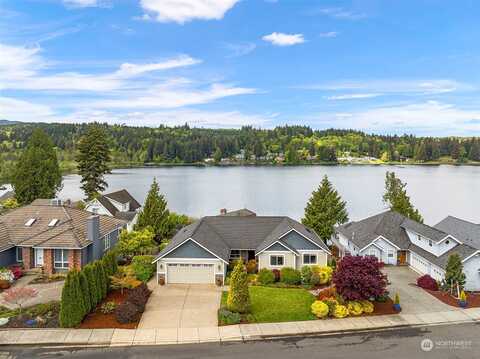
<point>167,261</point>
<point>283,245</point>
<point>308,239</point>
<point>371,244</point>
<point>100,205</point>
<point>440,241</point>
<point>310,254</point>
<point>16,255</point>
<point>470,256</point>
<point>449,236</point>
<point>386,240</point>
<point>185,241</point>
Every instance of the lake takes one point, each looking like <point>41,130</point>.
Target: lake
<point>437,191</point>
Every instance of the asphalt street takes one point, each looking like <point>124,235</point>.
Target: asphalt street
<point>452,341</point>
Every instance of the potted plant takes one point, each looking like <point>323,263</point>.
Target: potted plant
<point>462,302</point>
<point>396,303</point>
<point>6,278</point>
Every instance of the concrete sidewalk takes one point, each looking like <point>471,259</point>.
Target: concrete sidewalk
<point>159,336</point>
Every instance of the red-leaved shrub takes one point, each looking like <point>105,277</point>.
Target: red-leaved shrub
<point>359,278</point>
<point>17,271</point>
<point>276,273</point>
<point>329,292</point>
<point>427,282</point>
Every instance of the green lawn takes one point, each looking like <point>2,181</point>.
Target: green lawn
<point>269,305</point>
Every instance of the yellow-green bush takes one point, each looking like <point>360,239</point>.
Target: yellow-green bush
<point>324,272</point>
<point>340,311</point>
<point>367,306</point>
<point>319,309</point>
<point>355,308</point>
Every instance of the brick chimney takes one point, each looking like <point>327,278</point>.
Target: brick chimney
<point>223,211</point>
<point>93,228</point>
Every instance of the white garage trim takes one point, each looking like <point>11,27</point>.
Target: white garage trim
<point>182,243</point>
<point>190,270</point>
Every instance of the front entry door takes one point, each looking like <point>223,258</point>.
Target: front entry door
<point>401,258</point>
<point>38,257</point>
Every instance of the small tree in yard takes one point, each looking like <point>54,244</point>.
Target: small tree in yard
<point>454,273</point>
<point>72,307</point>
<point>238,299</point>
<point>92,284</point>
<point>19,296</point>
<point>85,291</point>
<point>136,243</point>
<point>359,278</point>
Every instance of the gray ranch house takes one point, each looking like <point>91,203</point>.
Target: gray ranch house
<point>201,252</point>
<point>54,236</point>
<point>397,240</point>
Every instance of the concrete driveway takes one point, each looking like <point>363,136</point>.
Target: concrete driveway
<point>414,300</point>
<point>181,306</point>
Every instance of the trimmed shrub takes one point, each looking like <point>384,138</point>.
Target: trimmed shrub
<point>306,274</point>
<point>227,317</point>
<point>108,307</point>
<point>427,282</point>
<point>110,263</point>
<point>367,306</point>
<point>340,311</point>
<point>126,313</point>
<point>143,267</point>
<point>238,299</point>
<point>101,279</point>
<point>315,279</point>
<point>89,272</point>
<point>359,278</point>
<point>72,309</point>
<point>265,276</point>
<point>85,291</point>
<point>290,276</point>
<point>251,266</point>
<point>139,296</point>
<point>355,308</point>
<point>332,304</point>
<point>319,309</point>
<point>276,273</point>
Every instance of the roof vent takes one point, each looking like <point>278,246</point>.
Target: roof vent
<point>53,222</point>
<point>30,222</point>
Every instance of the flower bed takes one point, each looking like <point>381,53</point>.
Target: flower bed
<point>43,315</point>
<point>473,299</point>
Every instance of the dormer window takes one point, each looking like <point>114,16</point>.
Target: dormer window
<point>419,238</point>
<point>30,222</point>
<point>430,243</point>
<point>53,222</point>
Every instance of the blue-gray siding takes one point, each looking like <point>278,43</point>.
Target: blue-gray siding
<point>277,247</point>
<point>98,249</point>
<point>8,257</point>
<point>294,240</point>
<point>189,249</point>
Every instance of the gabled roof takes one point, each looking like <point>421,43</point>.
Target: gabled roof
<point>244,212</point>
<point>107,205</point>
<point>424,230</point>
<point>123,196</point>
<point>465,231</point>
<point>386,224</point>
<point>220,234</point>
<point>69,232</point>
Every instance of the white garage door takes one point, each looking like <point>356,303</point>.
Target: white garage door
<point>420,264</point>
<point>190,273</point>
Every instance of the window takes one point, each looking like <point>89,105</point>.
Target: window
<point>419,238</point>
<point>18,254</point>
<point>430,243</point>
<point>276,260</point>
<point>390,254</point>
<point>309,259</point>
<point>234,254</point>
<point>95,210</point>
<point>107,241</point>
<point>60,258</point>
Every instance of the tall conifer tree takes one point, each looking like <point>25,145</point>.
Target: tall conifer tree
<point>397,199</point>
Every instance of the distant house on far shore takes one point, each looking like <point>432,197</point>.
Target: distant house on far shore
<point>119,204</point>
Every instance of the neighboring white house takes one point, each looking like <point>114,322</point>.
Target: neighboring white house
<point>201,252</point>
<point>119,204</point>
<point>397,240</point>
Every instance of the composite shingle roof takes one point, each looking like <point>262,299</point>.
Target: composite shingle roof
<point>220,234</point>
<point>465,231</point>
<point>123,196</point>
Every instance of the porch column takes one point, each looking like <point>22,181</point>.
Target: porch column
<point>48,261</point>
<point>27,258</point>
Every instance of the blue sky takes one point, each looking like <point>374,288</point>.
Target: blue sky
<point>378,66</point>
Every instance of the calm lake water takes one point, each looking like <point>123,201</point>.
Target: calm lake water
<point>437,191</point>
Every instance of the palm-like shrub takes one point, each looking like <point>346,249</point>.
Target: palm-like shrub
<point>238,299</point>
<point>358,278</point>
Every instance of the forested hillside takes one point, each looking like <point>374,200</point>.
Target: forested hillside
<point>287,144</point>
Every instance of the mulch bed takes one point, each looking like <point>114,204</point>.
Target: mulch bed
<point>473,299</point>
<point>382,308</point>
<point>98,320</point>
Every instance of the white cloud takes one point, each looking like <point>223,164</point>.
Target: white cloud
<point>237,50</point>
<point>128,69</point>
<point>394,86</point>
<point>281,39</point>
<point>329,34</point>
<point>428,118</point>
<point>19,110</point>
<point>353,96</point>
<point>182,11</point>
<point>81,3</point>
<point>341,13</point>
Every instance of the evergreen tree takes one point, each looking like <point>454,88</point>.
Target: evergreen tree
<point>72,308</point>
<point>90,273</point>
<point>85,292</point>
<point>37,173</point>
<point>474,153</point>
<point>101,279</point>
<point>397,199</point>
<point>217,155</point>
<point>420,153</point>
<point>324,210</point>
<point>454,272</point>
<point>238,299</point>
<point>93,157</point>
<point>154,213</point>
